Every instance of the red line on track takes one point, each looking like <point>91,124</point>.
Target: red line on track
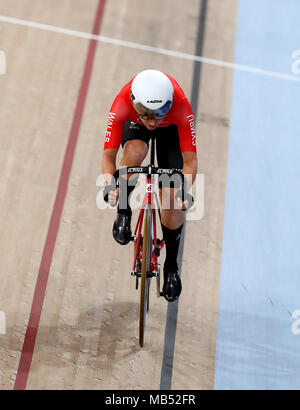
<point>42,279</point>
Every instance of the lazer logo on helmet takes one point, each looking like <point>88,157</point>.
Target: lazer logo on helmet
<point>154,101</point>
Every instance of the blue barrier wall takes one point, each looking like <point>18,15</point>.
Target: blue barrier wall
<point>257,345</point>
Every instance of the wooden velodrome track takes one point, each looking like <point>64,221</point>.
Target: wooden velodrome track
<point>72,314</point>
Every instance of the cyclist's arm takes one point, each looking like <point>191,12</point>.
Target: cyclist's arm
<point>190,165</point>
<point>109,163</point>
<point>187,140</point>
<point>116,119</point>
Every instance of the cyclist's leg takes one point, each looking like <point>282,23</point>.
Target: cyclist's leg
<point>135,143</point>
<point>134,152</point>
<point>134,134</point>
<point>169,156</point>
<point>135,148</point>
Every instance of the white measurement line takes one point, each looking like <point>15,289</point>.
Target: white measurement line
<point>144,47</point>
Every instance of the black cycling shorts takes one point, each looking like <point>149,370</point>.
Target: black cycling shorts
<point>168,150</point>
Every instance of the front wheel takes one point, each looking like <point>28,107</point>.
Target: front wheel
<point>145,281</point>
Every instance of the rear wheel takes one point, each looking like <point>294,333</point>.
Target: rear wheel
<point>145,281</point>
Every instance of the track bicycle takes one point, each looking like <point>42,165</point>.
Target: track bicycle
<point>147,246</point>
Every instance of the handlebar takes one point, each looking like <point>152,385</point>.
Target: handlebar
<point>150,171</point>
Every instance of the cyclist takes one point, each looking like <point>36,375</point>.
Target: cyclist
<point>152,103</point>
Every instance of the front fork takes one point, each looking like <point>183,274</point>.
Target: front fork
<point>137,238</point>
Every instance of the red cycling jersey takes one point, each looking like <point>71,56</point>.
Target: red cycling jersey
<point>180,114</point>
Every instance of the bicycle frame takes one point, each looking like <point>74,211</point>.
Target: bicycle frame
<point>149,198</point>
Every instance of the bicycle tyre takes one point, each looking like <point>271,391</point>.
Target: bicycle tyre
<point>145,282</point>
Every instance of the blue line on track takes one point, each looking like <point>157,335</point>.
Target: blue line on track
<point>172,312</point>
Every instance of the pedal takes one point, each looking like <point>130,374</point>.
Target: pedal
<point>151,274</point>
<point>137,274</point>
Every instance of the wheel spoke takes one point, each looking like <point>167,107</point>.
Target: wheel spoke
<point>144,291</point>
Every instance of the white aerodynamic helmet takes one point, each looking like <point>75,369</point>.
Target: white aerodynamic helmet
<point>152,93</point>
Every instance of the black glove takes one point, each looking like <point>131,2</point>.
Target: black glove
<point>187,197</point>
<point>106,191</point>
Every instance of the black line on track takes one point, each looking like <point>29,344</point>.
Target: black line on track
<point>172,311</point>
